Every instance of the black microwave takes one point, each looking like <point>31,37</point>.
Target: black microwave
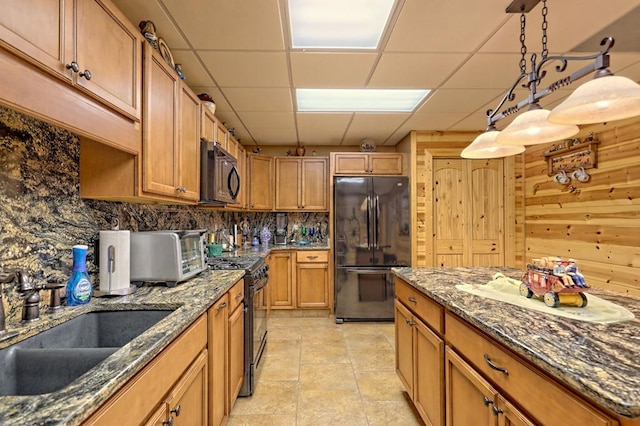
<point>220,180</point>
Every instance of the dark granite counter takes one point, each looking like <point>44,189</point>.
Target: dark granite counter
<point>599,361</point>
<point>74,403</point>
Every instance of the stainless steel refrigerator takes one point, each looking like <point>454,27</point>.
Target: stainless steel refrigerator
<point>371,235</point>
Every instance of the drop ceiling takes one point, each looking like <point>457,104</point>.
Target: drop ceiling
<point>466,52</point>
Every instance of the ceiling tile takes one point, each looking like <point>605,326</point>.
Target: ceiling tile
<point>247,69</point>
<point>415,70</point>
<point>195,73</point>
<point>486,71</point>
<point>267,119</point>
<point>229,25</point>
<point>322,129</point>
<point>445,26</point>
<point>150,10</point>
<point>376,126</point>
<point>323,69</point>
<point>458,100</point>
<point>259,99</point>
<point>275,135</point>
<point>432,121</point>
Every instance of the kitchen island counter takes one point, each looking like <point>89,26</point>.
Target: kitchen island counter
<point>598,361</point>
<point>77,401</point>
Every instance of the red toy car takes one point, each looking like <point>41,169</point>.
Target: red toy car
<point>556,280</point>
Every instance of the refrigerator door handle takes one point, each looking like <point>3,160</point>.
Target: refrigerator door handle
<point>376,230</point>
<point>368,222</point>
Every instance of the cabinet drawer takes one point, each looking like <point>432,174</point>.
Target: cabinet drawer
<point>314,256</point>
<point>547,401</point>
<point>429,311</point>
<point>236,295</point>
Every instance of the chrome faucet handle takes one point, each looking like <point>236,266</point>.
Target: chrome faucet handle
<point>31,297</point>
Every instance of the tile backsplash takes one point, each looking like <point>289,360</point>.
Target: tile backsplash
<point>42,215</point>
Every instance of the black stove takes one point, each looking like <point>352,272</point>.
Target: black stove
<point>256,310</point>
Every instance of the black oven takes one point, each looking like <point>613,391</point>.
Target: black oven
<point>219,177</point>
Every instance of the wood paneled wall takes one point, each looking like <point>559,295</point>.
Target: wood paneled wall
<point>598,222</point>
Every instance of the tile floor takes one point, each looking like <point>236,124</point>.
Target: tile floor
<point>316,372</point>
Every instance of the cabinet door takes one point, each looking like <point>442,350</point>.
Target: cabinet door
<point>351,163</point>
<point>236,353</point>
<point>404,346</point>
<point>470,398</point>
<point>242,171</point>
<point>218,344</point>
<point>160,130</point>
<point>428,370</point>
<point>314,183</point>
<point>189,146</point>
<point>208,126</point>
<point>188,400</point>
<point>159,417</point>
<point>313,285</point>
<point>281,280</point>
<point>261,182</point>
<point>508,415</point>
<point>108,46</point>
<point>222,135</point>
<point>40,31</point>
<point>287,176</point>
<point>385,164</point>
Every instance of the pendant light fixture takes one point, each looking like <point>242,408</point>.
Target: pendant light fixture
<point>605,98</point>
<point>485,146</point>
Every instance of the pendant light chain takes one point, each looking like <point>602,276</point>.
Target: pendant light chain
<point>523,46</point>
<point>545,50</point>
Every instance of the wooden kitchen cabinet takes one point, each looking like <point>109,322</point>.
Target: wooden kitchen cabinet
<point>312,279</point>
<point>168,169</point>
<point>420,364</point>
<point>366,163</point>
<point>176,376</point>
<point>236,351</point>
<point>42,37</point>
<point>472,400</point>
<point>218,342</point>
<point>244,185</point>
<point>52,34</point>
<point>301,184</point>
<point>260,171</point>
<point>281,280</point>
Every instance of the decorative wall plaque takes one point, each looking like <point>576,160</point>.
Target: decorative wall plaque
<point>578,155</point>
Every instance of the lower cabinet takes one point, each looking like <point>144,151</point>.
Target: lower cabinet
<point>299,279</point>
<point>226,353</point>
<point>174,383</point>
<point>420,364</point>
<point>452,371</point>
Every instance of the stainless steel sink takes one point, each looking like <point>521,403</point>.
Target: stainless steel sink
<point>54,358</point>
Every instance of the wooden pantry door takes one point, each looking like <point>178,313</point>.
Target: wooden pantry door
<point>468,212</point>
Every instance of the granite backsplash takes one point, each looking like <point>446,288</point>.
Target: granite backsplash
<point>42,215</point>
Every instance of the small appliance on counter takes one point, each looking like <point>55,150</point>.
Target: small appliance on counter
<point>281,229</point>
<point>114,249</point>
<point>167,256</point>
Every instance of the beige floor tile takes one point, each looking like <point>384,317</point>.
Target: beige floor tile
<point>331,352</point>
<point>377,341</point>
<point>262,420</point>
<point>391,413</point>
<point>373,359</point>
<point>327,377</point>
<point>283,349</point>
<point>279,369</point>
<point>269,398</point>
<point>321,336</point>
<point>353,417</point>
<point>283,333</point>
<point>317,400</point>
<point>380,386</point>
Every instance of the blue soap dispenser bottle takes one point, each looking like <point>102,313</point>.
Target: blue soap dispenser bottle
<point>79,286</point>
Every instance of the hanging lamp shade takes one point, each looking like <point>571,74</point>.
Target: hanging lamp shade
<point>599,100</point>
<point>485,146</point>
<point>533,128</point>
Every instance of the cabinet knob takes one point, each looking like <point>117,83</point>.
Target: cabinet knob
<point>168,422</point>
<point>176,411</point>
<point>497,411</point>
<point>487,401</point>
<point>86,74</point>
<point>73,66</point>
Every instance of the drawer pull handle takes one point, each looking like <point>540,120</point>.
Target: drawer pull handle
<point>487,401</point>
<point>238,296</point>
<point>412,299</point>
<point>495,366</point>
<point>222,306</point>
<point>312,257</point>
<point>497,411</point>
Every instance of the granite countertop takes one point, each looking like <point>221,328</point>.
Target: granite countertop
<point>599,361</point>
<point>264,249</point>
<point>77,401</point>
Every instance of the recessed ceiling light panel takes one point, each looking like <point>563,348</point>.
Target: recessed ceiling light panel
<point>338,24</point>
<point>359,100</point>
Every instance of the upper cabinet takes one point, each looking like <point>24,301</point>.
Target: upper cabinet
<point>301,184</point>
<point>86,42</point>
<point>366,163</point>
<point>260,184</point>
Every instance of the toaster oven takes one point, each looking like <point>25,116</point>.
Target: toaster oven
<point>167,256</point>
